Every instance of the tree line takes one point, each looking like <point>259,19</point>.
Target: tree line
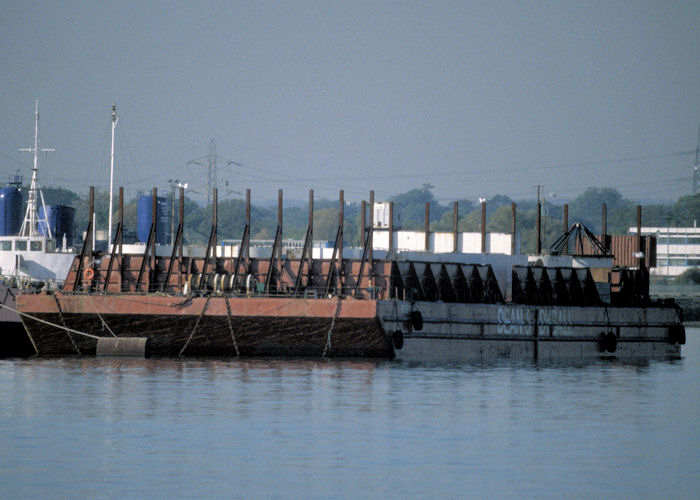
<point>409,214</point>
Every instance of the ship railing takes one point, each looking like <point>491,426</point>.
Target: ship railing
<point>309,292</point>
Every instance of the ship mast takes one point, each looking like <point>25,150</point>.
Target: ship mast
<point>115,119</point>
<point>30,225</point>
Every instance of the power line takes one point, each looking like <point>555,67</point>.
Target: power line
<point>211,162</point>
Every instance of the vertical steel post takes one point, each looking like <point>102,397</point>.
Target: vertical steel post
<point>640,260</point>
<point>483,227</point>
<point>247,221</point>
<point>181,218</point>
<point>455,226</point>
<point>341,217</point>
<point>311,212</point>
<point>363,223</point>
<point>92,220</point>
<point>121,239</point>
<point>172,214</point>
<point>215,217</point>
<point>605,226</point>
<point>371,239</point>
<point>121,207</point>
<point>391,226</point>
<point>538,248</point>
<point>279,223</point>
<point>181,222</point>
<point>154,221</point>
<point>92,213</point>
<point>311,234</point>
<point>512,228</point>
<point>427,226</point>
<point>565,250</point>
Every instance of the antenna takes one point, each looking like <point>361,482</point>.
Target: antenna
<point>31,218</point>
<point>115,119</point>
<point>696,167</point>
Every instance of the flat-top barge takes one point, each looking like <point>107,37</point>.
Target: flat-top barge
<point>421,306</point>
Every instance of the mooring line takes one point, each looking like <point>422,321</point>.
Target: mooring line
<point>8,292</point>
<point>104,323</point>
<point>55,325</point>
<point>206,304</point>
<point>327,348</point>
<point>230,326</point>
<point>60,313</point>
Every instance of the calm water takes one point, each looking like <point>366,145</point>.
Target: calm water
<point>168,428</point>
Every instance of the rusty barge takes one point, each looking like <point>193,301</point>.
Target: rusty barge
<point>380,303</point>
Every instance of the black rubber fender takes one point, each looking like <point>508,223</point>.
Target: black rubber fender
<point>611,341</point>
<point>676,334</point>
<point>416,320</point>
<point>607,342</point>
<point>397,339</point>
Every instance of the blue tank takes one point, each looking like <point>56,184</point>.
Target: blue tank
<point>143,223</point>
<point>61,220</point>
<point>10,211</point>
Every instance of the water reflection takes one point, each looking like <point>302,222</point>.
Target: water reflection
<point>265,427</point>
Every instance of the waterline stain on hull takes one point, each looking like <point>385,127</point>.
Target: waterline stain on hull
<point>202,327</point>
<point>266,326</point>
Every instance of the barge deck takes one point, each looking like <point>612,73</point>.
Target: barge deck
<point>413,307</point>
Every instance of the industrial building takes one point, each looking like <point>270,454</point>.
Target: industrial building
<point>677,249</point>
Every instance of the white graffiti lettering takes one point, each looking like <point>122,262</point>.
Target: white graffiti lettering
<point>520,321</point>
<point>512,321</point>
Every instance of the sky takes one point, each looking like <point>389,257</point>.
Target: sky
<point>475,98</point>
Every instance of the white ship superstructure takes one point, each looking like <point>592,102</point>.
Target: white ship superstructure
<point>33,255</point>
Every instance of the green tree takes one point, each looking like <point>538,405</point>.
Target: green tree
<point>59,196</point>
<point>687,210</point>
<point>501,220</point>
<point>689,277</point>
<point>326,224</point>
<point>658,215</point>
<point>587,208</point>
<point>409,208</point>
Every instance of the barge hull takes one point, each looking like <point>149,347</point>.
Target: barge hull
<point>14,341</point>
<point>176,326</point>
<point>414,331</point>
<point>488,332</point>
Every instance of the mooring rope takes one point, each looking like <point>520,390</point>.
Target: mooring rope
<point>327,348</point>
<point>60,314</point>
<point>104,323</point>
<point>8,292</point>
<point>55,325</point>
<point>230,326</point>
<point>199,318</point>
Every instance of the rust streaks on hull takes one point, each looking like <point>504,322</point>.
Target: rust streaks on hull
<point>261,327</point>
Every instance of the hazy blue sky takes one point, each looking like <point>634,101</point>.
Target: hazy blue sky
<point>477,98</point>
